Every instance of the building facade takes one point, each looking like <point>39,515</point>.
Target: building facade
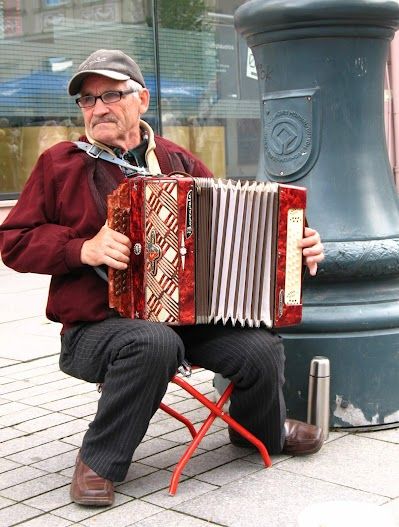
<point>202,81</point>
<point>201,76</point>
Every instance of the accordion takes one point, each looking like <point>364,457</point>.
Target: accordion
<point>207,250</point>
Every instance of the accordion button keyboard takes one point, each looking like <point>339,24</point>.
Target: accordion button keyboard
<point>293,271</point>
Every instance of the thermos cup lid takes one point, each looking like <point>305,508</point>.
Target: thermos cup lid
<point>320,367</point>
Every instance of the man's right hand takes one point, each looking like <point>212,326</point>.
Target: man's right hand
<point>108,247</point>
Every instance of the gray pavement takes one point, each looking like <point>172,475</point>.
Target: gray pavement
<point>353,480</point>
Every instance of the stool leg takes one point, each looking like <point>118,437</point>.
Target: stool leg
<point>201,432</point>
<point>216,411</point>
<point>179,417</point>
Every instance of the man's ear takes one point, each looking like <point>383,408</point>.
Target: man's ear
<point>144,96</point>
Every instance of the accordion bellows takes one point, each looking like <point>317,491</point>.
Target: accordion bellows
<point>209,250</point>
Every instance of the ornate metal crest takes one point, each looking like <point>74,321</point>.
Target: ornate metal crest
<point>291,125</point>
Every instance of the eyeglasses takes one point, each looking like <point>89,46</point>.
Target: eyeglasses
<point>108,97</point>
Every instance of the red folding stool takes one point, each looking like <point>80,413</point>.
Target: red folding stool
<point>216,410</point>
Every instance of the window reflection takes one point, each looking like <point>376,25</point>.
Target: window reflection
<point>219,94</point>
<point>208,103</point>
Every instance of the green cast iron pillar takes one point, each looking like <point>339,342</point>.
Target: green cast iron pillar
<point>321,67</point>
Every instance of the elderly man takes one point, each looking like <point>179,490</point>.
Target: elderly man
<point>58,228</point>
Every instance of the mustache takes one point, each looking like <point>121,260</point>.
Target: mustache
<point>104,119</point>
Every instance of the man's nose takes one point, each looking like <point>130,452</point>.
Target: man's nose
<point>100,106</point>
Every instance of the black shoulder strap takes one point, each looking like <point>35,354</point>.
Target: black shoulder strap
<point>97,152</point>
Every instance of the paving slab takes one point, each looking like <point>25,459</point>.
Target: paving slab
<point>163,426</point>
<point>22,282</point>
<point>271,498</point>
<point>58,463</point>
<point>222,486</point>
<point>46,520</point>
<point>17,418</point>
<point>45,327</point>
<point>22,443</point>
<point>47,377</point>
<point>5,502</point>
<point>6,362</point>
<point>187,490</point>
<point>17,513</point>
<point>6,465</point>
<point>180,436</point>
<point>35,487</point>
<point>74,402</point>
<point>44,422</point>
<point>228,472</point>
<point>391,435</point>
<point>136,471</point>
<point>55,395</point>
<point>19,475</point>
<point>28,394</point>
<point>38,453</point>
<point>153,446</point>
<point>213,459</point>
<point>147,484</point>
<point>168,458</point>
<point>18,307</point>
<point>75,439</point>
<point>65,430</point>
<point>78,513</point>
<point>82,409</point>
<point>354,461</point>
<point>215,438</point>
<point>173,519</point>
<point>40,365</point>
<point>393,508</point>
<point>123,515</point>
<point>53,499</point>
<point>9,433</point>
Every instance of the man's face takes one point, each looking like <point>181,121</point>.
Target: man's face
<point>114,124</point>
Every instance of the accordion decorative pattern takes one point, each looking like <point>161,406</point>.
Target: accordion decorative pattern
<point>162,285</point>
<point>209,251</point>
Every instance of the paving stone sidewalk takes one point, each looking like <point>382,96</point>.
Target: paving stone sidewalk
<point>44,414</point>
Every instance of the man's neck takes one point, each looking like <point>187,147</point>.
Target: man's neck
<point>137,155</point>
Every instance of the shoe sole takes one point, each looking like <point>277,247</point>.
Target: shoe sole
<point>305,452</point>
<point>94,502</point>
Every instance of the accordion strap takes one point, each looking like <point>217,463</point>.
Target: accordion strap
<point>97,152</point>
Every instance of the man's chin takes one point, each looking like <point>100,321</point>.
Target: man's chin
<point>105,138</point>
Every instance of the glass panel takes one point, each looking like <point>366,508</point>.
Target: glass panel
<point>41,43</point>
<point>208,86</point>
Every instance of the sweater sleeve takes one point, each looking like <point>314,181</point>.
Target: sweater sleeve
<point>30,238</point>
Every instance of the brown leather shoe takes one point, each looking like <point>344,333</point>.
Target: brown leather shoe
<point>301,438</point>
<point>88,488</point>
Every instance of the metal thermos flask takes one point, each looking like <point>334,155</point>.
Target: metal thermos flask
<point>319,394</point>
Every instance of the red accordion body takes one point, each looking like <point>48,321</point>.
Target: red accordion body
<point>206,250</point>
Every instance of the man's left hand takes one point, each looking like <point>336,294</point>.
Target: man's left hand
<point>312,249</point>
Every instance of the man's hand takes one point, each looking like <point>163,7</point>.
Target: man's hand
<point>108,247</point>
<point>312,249</point>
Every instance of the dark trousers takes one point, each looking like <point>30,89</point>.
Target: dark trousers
<point>136,359</point>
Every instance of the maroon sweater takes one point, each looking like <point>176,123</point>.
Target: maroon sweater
<point>57,212</point>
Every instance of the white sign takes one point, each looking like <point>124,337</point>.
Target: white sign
<point>251,68</point>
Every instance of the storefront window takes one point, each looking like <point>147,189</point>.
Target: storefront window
<point>216,113</point>
<point>40,47</point>
<point>207,100</point>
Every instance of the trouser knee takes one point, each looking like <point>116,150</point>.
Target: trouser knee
<point>155,346</point>
<point>263,360</point>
